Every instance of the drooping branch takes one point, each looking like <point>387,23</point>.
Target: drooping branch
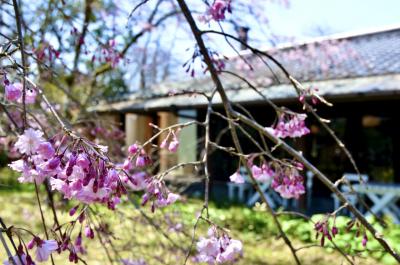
<point>18,21</point>
<point>324,179</point>
<point>228,109</point>
<point>232,113</point>
<point>81,40</point>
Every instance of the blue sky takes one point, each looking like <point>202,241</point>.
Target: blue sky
<point>303,16</point>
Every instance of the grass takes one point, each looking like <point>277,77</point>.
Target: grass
<point>134,238</point>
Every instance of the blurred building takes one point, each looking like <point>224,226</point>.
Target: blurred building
<point>358,73</point>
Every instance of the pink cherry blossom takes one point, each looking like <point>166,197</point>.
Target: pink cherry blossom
<point>13,92</point>
<point>73,210</point>
<point>87,194</point>
<point>61,186</point>
<point>164,143</point>
<point>172,197</point>
<point>30,96</point>
<point>171,142</point>
<point>44,249</point>
<point>89,232</point>
<point>82,161</point>
<point>208,249</point>
<point>218,8</point>
<point>140,161</point>
<point>263,173</point>
<point>137,181</point>
<point>31,244</point>
<point>16,260</point>
<point>364,240</point>
<point>218,249</point>
<point>46,150</point>
<point>22,167</point>
<point>237,178</point>
<point>28,142</point>
<point>173,145</point>
<point>159,195</point>
<point>48,168</point>
<point>288,183</point>
<point>127,165</point>
<point>133,149</point>
<point>231,252</point>
<point>290,125</point>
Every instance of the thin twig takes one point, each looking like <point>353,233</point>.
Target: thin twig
<point>42,217</point>
<point>23,59</point>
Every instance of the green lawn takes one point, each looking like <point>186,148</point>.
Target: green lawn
<point>133,237</point>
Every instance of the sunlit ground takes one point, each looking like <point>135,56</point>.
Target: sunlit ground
<point>134,238</point>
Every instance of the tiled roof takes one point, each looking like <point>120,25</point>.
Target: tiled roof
<point>370,54</point>
<point>349,56</point>
<point>356,56</point>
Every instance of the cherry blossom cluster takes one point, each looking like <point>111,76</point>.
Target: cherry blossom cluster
<point>288,182</point>
<point>262,173</point>
<point>81,170</point>
<point>46,51</point>
<point>218,248</point>
<point>158,194</point>
<point>104,53</point>
<point>217,11</point>
<point>325,229</point>
<point>309,92</point>
<point>290,125</point>
<point>108,54</point>
<point>286,179</point>
<point>13,92</point>
<point>43,250</point>
<point>155,190</point>
<point>78,170</point>
<point>360,230</point>
<point>137,158</point>
<point>66,242</point>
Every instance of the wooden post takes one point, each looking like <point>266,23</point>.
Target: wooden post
<point>167,159</point>
<point>137,128</point>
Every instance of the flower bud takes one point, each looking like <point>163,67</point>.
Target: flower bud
<point>133,149</point>
<point>31,243</point>
<point>365,240</point>
<point>73,210</point>
<point>89,232</point>
<point>334,231</point>
<point>173,145</point>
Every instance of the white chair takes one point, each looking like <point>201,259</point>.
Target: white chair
<point>351,197</point>
<point>309,186</point>
<point>274,199</point>
<point>267,194</point>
